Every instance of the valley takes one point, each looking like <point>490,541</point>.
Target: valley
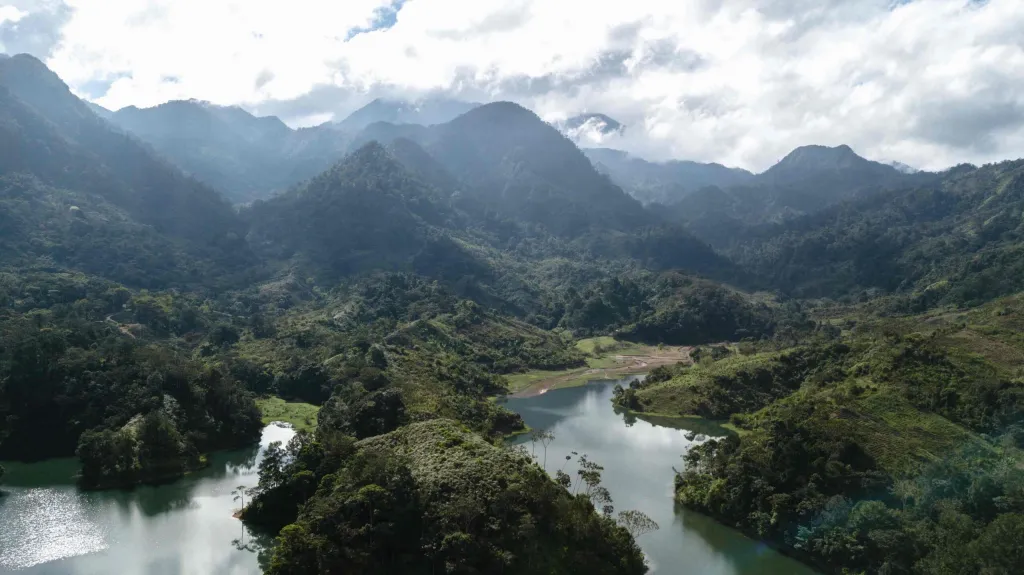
<point>823,358</point>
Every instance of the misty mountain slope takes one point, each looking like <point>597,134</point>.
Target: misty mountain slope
<point>89,154</point>
<point>76,193</point>
<point>662,182</point>
<point>512,160</point>
<point>227,148</point>
<point>386,132</point>
<point>418,162</point>
<point>366,213</point>
<point>247,157</point>
<point>425,112</point>
<point>515,170</point>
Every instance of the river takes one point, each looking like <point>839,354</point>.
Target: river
<point>49,527</point>
<point>638,461</point>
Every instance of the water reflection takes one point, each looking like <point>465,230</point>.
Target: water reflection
<point>639,456</point>
<point>50,527</point>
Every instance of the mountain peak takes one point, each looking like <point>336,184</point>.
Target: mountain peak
<point>818,158</point>
<point>499,112</point>
<point>22,68</point>
<point>371,157</point>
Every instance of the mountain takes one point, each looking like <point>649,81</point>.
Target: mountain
<point>243,156</point>
<point>507,158</point>
<point>808,179</point>
<point>662,182</point>
<point>514,170</point>
<point>840,162</point>
<point>366,213</point>
<point>523,167</point>
<point>97,187</point>
<point>425,112</point>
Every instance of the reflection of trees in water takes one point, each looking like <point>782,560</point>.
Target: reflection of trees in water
<point>733,546</point>
<point>697,425</point>
<point>255,541</point>
<point>178,494</point>
<point>240,462</point>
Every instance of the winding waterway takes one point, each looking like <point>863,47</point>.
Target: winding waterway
<point>49,527</point>
<point>638,461</point>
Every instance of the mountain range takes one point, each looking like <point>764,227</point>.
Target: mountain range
<point>162,268</point>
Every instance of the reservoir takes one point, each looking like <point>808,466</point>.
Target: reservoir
<point>49,527</point>
<point>638,459</point>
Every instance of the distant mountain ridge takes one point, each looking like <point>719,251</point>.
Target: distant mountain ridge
<point>425,112</point>
<point>249,157</point>
<point>244,156</point>
<point>662,182</point>
<point>808,179</point>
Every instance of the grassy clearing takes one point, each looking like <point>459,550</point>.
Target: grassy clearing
<point>561,379</point>
<point>606,359</point>
<point>589,345</point>
<point>301,415</point>
<point>598,347</point>
<point>520,381</point>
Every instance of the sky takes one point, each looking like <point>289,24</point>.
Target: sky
<point>931,83</point>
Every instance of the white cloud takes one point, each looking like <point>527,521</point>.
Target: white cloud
<point>742,82</point>
<point>10,14</point>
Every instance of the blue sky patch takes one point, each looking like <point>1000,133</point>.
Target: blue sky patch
<point>384,17</point>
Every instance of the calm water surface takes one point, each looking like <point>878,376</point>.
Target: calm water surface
<point>638,461</point>
<point>47,526</point>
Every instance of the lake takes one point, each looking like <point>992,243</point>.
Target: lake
<point>49,527</point>
<point>638,461</point>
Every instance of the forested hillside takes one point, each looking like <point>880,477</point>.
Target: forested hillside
<point>807,180</point>
<point>78,193</point>
<point>955,242</point>
<point>892,448</point>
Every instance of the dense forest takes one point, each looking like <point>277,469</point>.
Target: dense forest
<point>856,327</point>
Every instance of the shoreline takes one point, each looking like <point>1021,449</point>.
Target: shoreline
<point>623,365</point>
<point>802,558</point>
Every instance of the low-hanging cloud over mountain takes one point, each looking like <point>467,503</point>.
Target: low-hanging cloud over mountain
<point>741,82</point>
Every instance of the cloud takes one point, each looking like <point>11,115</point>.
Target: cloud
<point>741,82</point>
<point>32,26</point>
